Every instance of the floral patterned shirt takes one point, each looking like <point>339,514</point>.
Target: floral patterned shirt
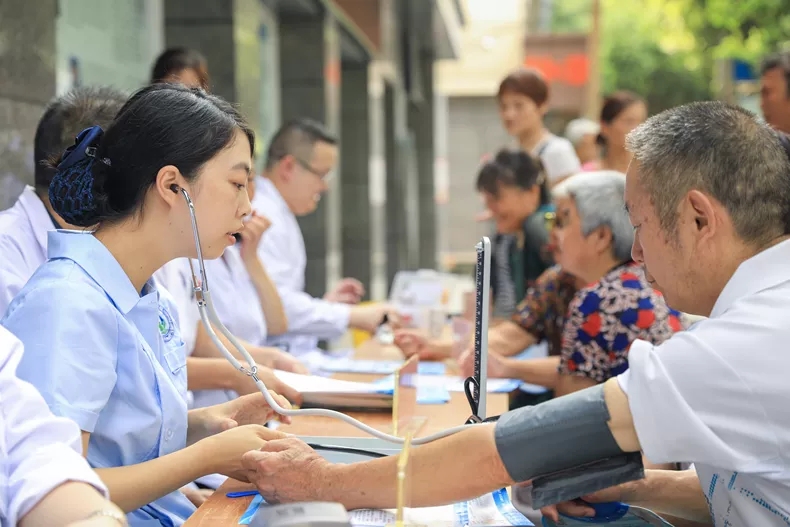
<point>606,317</point>
<point>542,311</point>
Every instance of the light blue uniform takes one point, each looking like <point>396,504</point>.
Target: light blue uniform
<point>106,357</point>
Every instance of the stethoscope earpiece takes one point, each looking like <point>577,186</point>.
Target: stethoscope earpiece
<point>175,188</point>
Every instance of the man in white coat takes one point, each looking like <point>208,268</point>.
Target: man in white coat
<point>299,162</point>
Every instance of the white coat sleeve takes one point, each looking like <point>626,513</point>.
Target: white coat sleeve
<point>40,451</point>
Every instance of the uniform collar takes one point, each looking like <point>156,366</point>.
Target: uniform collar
<point>98,262</point>
<point>40,220</point>
<point>762,271</point>
<point>265,186</point>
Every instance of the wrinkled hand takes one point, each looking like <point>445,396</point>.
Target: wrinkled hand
<point>578,508</point>
<point>347,291</point>
<point>225,450</point>
<point>287,470</point>
<point>247,410</point>
<point>498,366</point>
<point>251,235</point>
<point>197,496</point>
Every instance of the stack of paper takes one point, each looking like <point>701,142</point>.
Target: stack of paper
<point>332,393</point>
<point>378,367</point>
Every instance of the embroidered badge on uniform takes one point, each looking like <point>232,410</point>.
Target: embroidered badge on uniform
<point>166,325</point>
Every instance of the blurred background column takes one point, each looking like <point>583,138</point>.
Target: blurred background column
<point>27,82</point>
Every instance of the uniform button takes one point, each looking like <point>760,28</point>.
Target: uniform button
<point>168,435</point>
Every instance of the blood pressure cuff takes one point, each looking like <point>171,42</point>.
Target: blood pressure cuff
<point>565,447</point>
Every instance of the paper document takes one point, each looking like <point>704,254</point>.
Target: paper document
<point>333,393</point>
<point>452,383</point>
<point>491,510</point>
<point>624,516</point>
<point>381,367</point>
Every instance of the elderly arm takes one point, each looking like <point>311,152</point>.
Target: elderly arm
<point>508,339</point>
<point>288,470</point>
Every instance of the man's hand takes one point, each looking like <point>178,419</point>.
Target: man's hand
<point>347,291</point>
<point>251,235</point>
<point>287,470</point>
<point>581,508</point>
<point>498,367</point>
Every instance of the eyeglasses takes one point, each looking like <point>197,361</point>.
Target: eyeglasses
<point>325,177</point>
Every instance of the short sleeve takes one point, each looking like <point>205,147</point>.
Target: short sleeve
<point>40,451</point>
<point>588,348</point>
<point>531,313</point>
<point>70,348</point>
<point>699,397</point>
<point>560,160</point>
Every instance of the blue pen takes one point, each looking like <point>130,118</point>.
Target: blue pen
<point>242,494</point>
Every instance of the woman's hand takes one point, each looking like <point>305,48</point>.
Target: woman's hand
<point>416,342</point>
<point>498,366</point>
<point>225,450</point>
<point>251,235</point>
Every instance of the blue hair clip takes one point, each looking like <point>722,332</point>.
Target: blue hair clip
<point>84,146</point>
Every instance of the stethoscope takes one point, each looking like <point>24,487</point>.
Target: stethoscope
<point>210,320</point>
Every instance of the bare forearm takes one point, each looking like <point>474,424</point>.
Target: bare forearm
<point>542,372</point>
<point>133,486</point>
<point>508,339</point>
<point>273,311</point>
<point>67,503</point>
<point>373,484</point>
<point>205,347</point>
<point>205,373</point>
<point>671,492</point>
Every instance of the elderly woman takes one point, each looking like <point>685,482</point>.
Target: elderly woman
<point>617,306</point>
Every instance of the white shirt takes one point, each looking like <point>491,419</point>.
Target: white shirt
<point>717,396</point>
<point>558,157</point>
<point>23,244</point>
<point>38,451</point>
<point>282,252</point>
<point>238,307</point>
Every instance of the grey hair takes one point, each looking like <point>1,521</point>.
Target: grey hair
<point>723,151</point>
<point>600,202</point>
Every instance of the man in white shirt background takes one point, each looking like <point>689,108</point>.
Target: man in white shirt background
<point>299,162</point>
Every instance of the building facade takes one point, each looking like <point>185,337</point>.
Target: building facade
<point>363,67</point>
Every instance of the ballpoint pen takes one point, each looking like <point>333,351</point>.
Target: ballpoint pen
<point>242,494</point>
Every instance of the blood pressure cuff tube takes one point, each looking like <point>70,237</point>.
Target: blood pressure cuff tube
<point>565,447</point>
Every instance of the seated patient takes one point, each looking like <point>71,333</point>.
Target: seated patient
<point>45,479</point>
<point>102,342</point>
<point>618,306</point>
<point>513,187</point>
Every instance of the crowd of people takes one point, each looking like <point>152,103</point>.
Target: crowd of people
<point>639,280</point>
